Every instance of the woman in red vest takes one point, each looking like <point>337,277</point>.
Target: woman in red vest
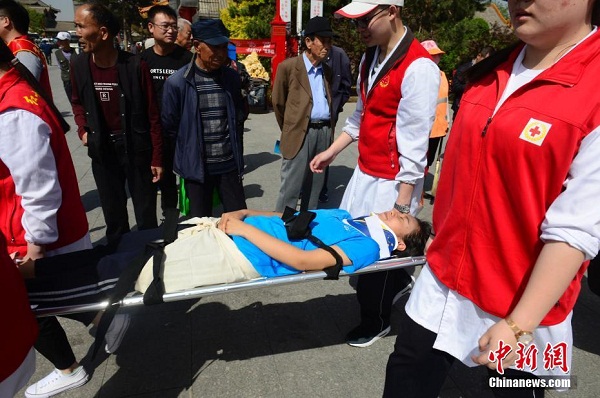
<point>516,215</point>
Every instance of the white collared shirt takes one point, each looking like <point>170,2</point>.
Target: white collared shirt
<point>320,108</point>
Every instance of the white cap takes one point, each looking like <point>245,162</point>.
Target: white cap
<point>357,9</point>
<point>63,36</point>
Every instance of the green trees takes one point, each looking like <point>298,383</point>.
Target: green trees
<point>450,23</point>
<point>36,21</point>
<point>249,19</point>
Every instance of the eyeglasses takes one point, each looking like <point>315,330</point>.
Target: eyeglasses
<point>364,22</point>
<point>166,27</point>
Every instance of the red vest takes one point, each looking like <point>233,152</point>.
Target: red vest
<point>378,153</point>
<point>22,43</point>
<point>19,328</point>
<point>72,221</point>
<point>502,173</point>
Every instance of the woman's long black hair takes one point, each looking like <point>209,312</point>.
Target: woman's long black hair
<point>7,57</point>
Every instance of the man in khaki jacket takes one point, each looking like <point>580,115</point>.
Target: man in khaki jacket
<point>302,105</point>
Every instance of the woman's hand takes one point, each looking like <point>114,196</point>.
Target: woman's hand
<point>35,251</point>
<point>238,215</point>
<point>232,225</point>
<point>321,161</point>
<point>494,344</point>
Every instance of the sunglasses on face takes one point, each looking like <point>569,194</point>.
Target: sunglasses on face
<point>364,22</point>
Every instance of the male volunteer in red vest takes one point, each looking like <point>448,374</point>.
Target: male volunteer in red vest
<point>397,94</point>
<point>14,25</point>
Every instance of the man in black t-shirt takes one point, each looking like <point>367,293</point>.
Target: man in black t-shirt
<point>164,59</point>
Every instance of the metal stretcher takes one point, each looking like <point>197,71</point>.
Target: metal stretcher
<point>136,298</point>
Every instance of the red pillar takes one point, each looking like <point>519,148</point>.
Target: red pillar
<point>278,37</point>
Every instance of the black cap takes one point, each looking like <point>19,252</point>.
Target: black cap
<point>210,31</point>
<point>318,26</point>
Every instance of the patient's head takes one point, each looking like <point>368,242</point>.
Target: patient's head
<point>412,233</point>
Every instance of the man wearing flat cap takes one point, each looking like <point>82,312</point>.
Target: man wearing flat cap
<point>397,94</point>
<point>302,104</point>
<point>202,107</point>
<point>63,57</point>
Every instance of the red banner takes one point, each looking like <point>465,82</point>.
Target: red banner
<point>263,47</point>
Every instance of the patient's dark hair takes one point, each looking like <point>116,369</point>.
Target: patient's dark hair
<point>415,241</point>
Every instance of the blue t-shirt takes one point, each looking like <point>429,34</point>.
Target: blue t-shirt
<point>327,226</point>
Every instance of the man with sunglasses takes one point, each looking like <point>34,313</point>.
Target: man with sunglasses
<point>203,109</point>
<point>397,94</point>
<point>164,58</point>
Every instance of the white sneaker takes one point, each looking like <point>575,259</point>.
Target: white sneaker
<point>116,332</point>
<point>57,382</point>
<point>407,289</point>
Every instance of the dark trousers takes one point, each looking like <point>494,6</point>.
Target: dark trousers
<point>56,277</point>
<point>168,182</point>
<point>68,89</point>
<point>52,341</point>
<point>432,150</point>
<point>375,293</point>
<point>593,275</point>
<point>416,370</point>
<point>111,174</point>
<point>229,187</point>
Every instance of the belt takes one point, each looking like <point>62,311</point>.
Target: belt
<point>317,124</point>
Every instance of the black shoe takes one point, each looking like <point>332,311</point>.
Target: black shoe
<point>362,336</point>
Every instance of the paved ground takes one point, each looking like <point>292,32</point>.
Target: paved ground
<point>278,342</point>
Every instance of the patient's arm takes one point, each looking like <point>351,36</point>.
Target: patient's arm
<point>303,260</point>
<point>242,214</point>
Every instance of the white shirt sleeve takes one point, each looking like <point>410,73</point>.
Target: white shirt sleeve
<point>416,113</point>
<point>574,216</point>
<point>352,125</point>
<point>26,152</point>
<point>31,62</point>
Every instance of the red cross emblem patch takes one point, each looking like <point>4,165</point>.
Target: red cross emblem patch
<point>535,131</point>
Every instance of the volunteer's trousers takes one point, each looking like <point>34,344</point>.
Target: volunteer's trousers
<point>375,293</point>
<point>416,370</point>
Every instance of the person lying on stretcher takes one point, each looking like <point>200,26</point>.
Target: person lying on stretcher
<point>259,246</point>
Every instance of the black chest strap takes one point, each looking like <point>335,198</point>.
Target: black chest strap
<point>297,227</point>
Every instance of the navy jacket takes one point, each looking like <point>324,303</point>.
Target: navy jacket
<point>181,118</point>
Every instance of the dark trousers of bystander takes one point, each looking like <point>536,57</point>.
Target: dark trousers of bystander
<point>168,182</point>
<point>230,189</point>
<point>111,174</point>
<point>68,89</point>
<point>416,370</point>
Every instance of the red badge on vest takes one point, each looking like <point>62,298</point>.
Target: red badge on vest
<point>384,82</point>
<point>535,131</point>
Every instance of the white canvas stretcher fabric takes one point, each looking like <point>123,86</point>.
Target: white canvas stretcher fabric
<point>202,255</point>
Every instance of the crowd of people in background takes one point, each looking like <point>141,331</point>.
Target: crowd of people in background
<point>168,115</point>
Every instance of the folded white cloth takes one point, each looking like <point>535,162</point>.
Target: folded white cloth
<point>202,255</point>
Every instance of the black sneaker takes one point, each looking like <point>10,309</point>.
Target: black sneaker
<point>362,336</point>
